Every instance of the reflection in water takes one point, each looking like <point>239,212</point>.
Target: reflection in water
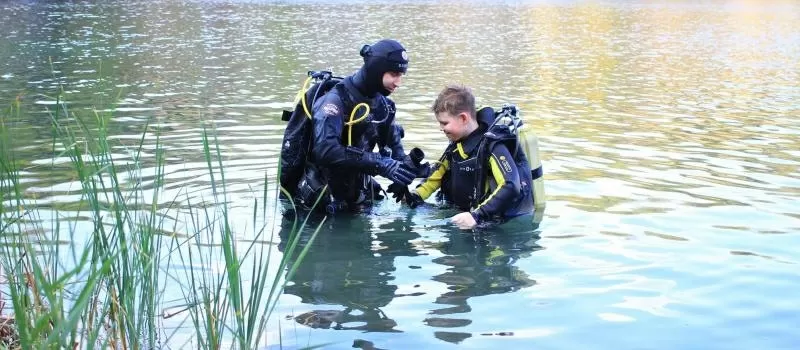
<point>478,265</point>
<point>350,264</point>
<point>349,271</point>
<point>668,133</point>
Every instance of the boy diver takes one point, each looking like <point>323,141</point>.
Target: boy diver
<point>489,181</point>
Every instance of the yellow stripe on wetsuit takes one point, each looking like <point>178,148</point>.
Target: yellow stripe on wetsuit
<point>499,179</point>
<point>433,182</point>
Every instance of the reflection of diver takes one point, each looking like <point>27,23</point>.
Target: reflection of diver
<point>480,264</point>
<point>350,263</point>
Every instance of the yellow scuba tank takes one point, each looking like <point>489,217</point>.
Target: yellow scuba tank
<point>530,145</point>
<point>527,140</point>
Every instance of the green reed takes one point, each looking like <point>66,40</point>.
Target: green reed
<point>110,290</point>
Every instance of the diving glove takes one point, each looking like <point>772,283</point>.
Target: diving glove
<point>398,191</point>
<point>376,164</point>
<point>413,199</point>
<point>423,170</point>
<point>395,170</point>
<point>414,161</point>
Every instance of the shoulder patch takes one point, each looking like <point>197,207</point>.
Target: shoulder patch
<point>504,164</point>
<point>330,108</point>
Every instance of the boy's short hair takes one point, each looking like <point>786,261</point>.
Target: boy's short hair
<point>455,99</point>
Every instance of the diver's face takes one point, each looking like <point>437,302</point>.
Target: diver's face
<point>453,126</point>
<point>392,81</point>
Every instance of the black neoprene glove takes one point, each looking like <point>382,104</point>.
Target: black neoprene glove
<point>413,199</point>
<point>377,164</point>
<point>398,191</point>
<point>395,170</point>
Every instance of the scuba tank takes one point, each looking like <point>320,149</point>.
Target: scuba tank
<point>297,137</point>
<point>508,116</point>
<point>530,145</point>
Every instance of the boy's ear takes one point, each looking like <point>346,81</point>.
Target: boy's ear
<point>463,117</point>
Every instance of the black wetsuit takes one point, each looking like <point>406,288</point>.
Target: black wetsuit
<point>455,175</point>
<point>349,179</point>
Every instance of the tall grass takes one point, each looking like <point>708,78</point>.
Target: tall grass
<point>107,287</point>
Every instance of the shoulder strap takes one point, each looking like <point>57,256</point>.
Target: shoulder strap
<point>347,100</point>
<point>480,172</point>
<point>504,128</point>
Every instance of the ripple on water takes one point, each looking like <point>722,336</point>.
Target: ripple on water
<point>668,137</point>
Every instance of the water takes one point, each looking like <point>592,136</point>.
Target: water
<point>669,136</point>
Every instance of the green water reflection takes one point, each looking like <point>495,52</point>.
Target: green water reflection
<point>349,273</point>
<point>669,135</point>
<point>348,268</point>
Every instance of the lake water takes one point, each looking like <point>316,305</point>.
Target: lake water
<point>669,132</point>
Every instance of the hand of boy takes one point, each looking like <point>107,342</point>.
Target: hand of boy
<point>464,220</point>
<point>413,199</point>
<point>398,191</point>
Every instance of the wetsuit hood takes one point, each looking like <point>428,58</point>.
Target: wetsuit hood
<point>384,56</point>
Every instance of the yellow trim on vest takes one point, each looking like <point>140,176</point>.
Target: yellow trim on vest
<point>461,151</point>
<point>499,179</point>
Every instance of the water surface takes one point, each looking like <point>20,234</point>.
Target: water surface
<point>669,134</point>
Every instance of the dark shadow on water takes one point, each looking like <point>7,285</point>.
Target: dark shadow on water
<point>479,264</point>
<point>349,270</point>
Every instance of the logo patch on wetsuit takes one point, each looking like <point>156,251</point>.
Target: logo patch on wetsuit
<point>330,108</point>
<point>504,164</point>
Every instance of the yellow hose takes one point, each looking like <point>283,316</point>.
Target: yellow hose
<point>301,96</point>
<point>351,122</point>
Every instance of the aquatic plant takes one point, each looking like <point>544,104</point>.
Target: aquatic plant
<point>97,275</point>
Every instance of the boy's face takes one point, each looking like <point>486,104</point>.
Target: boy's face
<point>392,80</point>
<point>453,126</point>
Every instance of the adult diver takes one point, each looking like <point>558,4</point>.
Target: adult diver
<point>348,122</point>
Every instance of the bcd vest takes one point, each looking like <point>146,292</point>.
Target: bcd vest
<point>468,182</point>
